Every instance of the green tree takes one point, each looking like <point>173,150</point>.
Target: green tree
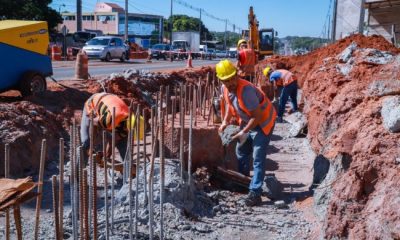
<point>183,23</point>
<point>30,10</point>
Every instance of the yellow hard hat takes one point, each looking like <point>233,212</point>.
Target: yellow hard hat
<point>132,126</point>
<point>266,71</point>
<point>240,42</point>
<point>225,70</point>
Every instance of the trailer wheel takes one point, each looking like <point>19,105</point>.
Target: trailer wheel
<point>32,83</point>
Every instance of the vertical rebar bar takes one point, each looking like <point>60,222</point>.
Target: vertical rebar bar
<point>173,123</point>
<point>55,208</point>
<point>137,170</point>
<point>112,168</point>
<point>194,106</point>
<point>151,190</point>
<point>61,185</point>
<point>129,173</point>
<point>6,175</point>
<point>190,148</point>
<point>181,146</point>
<point>152,116</point>
<point>162,176</point>
<point>73,182</point>
<point>145,160</point>
<point>90,183</point>
<point>40,188</point>
<point>85,204</point>
<point>94,196</point>
<point>167,101</point>
<point>106,184</point>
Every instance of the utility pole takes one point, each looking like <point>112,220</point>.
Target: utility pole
<point>126,19</point>
<point>200,26</point>
<point>170,25</point>
<point>78,15</point>
<point>333,38</point>
<point>226,25</point>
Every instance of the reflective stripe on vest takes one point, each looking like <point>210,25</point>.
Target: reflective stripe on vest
<point>102,104</point>
<point>287,77</point>
<point>247,61</point>
<point>268,111</point>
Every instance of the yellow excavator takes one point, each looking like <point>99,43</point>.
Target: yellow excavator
<point>261,40</point>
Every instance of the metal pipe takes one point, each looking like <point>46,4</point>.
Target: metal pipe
<point>162,176</point>
<point>61,185</point>
<point>55,208</point>
<point>40,188</point>
<point>106,185</point>
<point>6,175</point>
<point>112,168</point>
<point>94,197</point>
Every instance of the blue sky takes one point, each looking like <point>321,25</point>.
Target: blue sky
<point>288,17</point>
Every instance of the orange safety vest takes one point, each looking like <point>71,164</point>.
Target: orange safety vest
<point>269,113</point>
<point>247,61</point>
<point>286,78</point>
<point>102,104</point>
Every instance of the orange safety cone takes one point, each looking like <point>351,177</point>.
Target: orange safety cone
<point>189,61</point>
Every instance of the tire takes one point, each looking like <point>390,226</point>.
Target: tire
<point>32,83</point>
<point>122,59</point>
<point>108,57</point>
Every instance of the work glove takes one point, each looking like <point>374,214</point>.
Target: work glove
<point>241,137</point>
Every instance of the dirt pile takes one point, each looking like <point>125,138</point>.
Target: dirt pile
<point>343,86</point>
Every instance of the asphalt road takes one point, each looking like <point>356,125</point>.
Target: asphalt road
<point>66,70</point>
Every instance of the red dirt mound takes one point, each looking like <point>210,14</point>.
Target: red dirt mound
<point>344,118</point>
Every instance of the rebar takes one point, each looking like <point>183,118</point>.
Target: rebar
<point>55,208</point>
<point>80,192</point>
<point>112,168</point>
<point>90,183</point>
<point>137,170</point>
<point>17,219</point>
<point>128,150</point>
<point>40,188</point>
<point>85,205</point>
<point>145,160</point>
<point>194,106</point>
<point>182,127</point>
<point>73,181</point>
<point>61,186</point>
<point>167,101</point>
<point>94,197</point>
<point>106,185</point>
<point>152,116</point>
<point>190,147</point>
<point>162,176</point>
<point>173,122</point>
<point>151,190</point>
<point>6,175</point>
<point>130,153</point>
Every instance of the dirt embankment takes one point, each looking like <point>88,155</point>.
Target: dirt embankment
<point>25,122</point>
<point>344,85</point>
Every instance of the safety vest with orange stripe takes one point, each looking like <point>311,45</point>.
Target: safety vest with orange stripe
<point>268,111</point>
<point>286,78</point>
<point>101,105</point>
<point>247,61</point>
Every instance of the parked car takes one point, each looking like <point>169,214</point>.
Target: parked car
<point>232,52</point>
<point>105,48</point>
<point>220,54</point>
<point>160,51</point>
<point>211,51</point>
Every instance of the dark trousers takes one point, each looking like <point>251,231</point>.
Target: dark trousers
<point>286,92</point>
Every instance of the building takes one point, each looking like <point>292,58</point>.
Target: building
<point>369,17</point>
<point>109,18</point>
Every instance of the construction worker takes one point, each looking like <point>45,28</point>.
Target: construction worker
<point>256,117</point>
<point>246,60</point>
<point>101,106</point>
<point>286,86</point>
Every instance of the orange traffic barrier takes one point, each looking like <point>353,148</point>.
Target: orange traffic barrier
<point>81,66</point>
<point>189,61</point>
<point>55,53</point>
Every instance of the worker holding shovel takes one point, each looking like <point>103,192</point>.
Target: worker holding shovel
<point>256,117</point>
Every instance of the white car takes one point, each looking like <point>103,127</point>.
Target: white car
<point>221,54</point>
<point>106,48</point>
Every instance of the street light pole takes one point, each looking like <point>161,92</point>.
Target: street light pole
<point>171,25</point>
<point>126,20</point>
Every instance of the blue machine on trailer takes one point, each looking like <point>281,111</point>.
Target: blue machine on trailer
<point>25,64</point>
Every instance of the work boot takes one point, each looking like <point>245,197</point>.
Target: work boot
<point>252,199</point>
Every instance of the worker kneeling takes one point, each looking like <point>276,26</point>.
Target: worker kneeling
<point>256,117</point>
<point>101,105</point>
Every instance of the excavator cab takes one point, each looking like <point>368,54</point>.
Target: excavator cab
<point>266,41</point>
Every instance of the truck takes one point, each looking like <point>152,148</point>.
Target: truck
<point>25,63</point>
<point>184,43</point>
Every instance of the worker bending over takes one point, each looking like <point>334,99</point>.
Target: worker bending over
<point>101,106</point>
<point>256,117</point>
<point>286,86</point>
<point>246,60</point>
